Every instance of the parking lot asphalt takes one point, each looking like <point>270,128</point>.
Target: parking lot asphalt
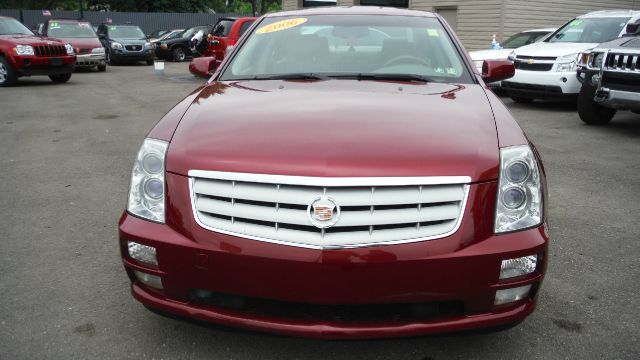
<point>67,152</point>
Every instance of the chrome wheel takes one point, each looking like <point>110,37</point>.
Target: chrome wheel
<point>3,73</point>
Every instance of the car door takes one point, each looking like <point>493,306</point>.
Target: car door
<point>218,43</point>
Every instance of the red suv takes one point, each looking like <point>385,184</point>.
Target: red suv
<point>342,175</point>
<point>24,54</point>
<point>223,38</point>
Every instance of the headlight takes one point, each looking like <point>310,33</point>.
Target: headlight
<point>116,45</point>
<point>519,203</point>
<point>512,56</point>
<point>147,45</point>
<point>583,58</point>
<point>99,50</point>
<point>24,50</point>
<point>69,49</point>
<point>146,194</point>
<point>567,62</point>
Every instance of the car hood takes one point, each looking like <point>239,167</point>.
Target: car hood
<point>88,43</point>
<point>29,39</point>
<point>490,54</point>
<point>545,49</point>
<point>338,128</point>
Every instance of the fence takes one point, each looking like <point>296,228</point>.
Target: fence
<point>147,21</point>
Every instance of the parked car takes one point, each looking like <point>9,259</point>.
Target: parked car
<point>85,42</point>
<point>223,38</point>
<point>548,69</point>
<point>22,53</point>
<point>610,78</point>
<point>157,34</point>
<point>125,43</point>
<point>518,40</point>
<point>178,48</point>
<point>172,34</point>
<point>340,191</point>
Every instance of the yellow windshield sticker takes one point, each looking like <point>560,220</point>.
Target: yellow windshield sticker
<point>433,32</point>
<point>281,25</point>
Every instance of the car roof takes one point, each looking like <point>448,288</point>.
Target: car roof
<point>610,13</point>
<point>353,10</point>
<point>69,20</point>
<point>541,30</point>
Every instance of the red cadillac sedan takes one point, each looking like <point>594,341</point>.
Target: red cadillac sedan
<point>345,173</point>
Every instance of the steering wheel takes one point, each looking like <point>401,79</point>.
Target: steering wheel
<point>406,59</point>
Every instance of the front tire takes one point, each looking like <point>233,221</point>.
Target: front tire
<point>7,75</point>
<point>590,112</point>
<point>521,100</point>
<point>61,78</point>
<point>179,54</point>
<point>102,67</point>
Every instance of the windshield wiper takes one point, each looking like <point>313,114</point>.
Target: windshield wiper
<point>296,76</point>
<point>388,77</point>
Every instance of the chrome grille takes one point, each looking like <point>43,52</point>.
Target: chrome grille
<point>50,50</point>
<point>373,211</point>
<point>622,62</point>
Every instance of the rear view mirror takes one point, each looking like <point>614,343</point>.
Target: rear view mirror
<point>497,70</point>
<point>203,66</point>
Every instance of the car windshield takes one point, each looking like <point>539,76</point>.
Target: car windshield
<point>522,39</point>
<point>70,30</point>
<point>127,32</point>
<point>13,27</point>
<point>349,46</point>
<point>590,30</point>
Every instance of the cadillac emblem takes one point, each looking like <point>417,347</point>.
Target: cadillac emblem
<point>530,61</point>
<point>323,212</point>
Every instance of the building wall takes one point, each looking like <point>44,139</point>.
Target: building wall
<point>478,20</point>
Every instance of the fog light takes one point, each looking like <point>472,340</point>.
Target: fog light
<point>153,281</point>
<point>518,267</point>
<point>142,253</point>
<point>510,295</point>
<point>595,80</point>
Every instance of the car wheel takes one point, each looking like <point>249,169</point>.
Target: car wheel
<point>591,112</point>
<point>102,68</point>
<point>109,60</point>
<point>179,54</point>
<point>7,75</point>
<point>61,78</point>
<point>521,100</point>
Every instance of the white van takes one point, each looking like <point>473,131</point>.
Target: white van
<point>547,69</point>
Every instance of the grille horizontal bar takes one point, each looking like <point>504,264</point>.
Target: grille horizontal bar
<point>254,206</point>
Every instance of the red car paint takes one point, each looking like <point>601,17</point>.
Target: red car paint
<point>27,65</point>
<point>82,46</point>
<point>218,45</point>
<point>368,129</point>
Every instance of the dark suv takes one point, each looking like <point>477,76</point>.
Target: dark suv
<point>125,43</point>
<point>178,48</point>
<point>610,77</point>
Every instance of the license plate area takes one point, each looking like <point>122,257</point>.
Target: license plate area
<point>55,61</point>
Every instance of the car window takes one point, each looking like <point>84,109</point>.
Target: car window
<point>126,32</point>
<point>13,27</point>
<point>222,28</point>
<point>329,44</point>
<point>590,30</point>
<point>245,26</point>
<point>70,30</point>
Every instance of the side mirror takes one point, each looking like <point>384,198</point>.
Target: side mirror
<point>203,66</point>
<point>497,70</point>
<point>633,28</point>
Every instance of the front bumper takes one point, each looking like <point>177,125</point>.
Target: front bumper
<point>618,99</point>
<point>459,270</point>
<point>89,60</point>
<point>36,65</point>
<point>124,55</point>
<point>542,84</point>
